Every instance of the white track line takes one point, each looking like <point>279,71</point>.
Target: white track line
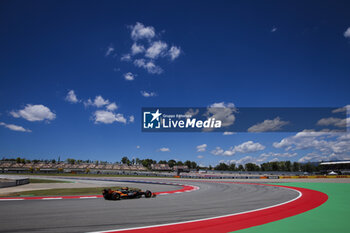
<point>51,198</point>
<point>59,198</point>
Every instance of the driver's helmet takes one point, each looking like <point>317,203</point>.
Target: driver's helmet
<point>125,188</point>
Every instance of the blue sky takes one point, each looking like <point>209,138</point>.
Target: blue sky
<point>250,53</point>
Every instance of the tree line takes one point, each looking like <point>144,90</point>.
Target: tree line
<point>269,166</point>
<point>286,166</point>
<point>149,162</point>
<point>125,160</point>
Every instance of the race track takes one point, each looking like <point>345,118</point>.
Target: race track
<point>76,215</point>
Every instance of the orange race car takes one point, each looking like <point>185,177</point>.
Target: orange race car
<point>125,193</point>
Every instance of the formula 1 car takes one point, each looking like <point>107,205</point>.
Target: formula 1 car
<point>125,193</point>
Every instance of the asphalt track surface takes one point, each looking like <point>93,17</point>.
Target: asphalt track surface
<point>212,199</point>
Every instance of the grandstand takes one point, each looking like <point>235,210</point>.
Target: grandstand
<point>339,167</point>
<point>42,167</point>
<point>160,167</point>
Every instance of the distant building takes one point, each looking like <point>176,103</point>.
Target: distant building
<point>160,167</point>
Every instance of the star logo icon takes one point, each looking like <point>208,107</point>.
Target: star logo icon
<point>156,115</point>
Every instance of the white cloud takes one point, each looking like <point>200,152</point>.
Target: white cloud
<point>339,122</point>
<point>244,160</point>
<point>223,112</point>
<point>37,112</point>
<point>138,147</point>
<point>98,102</point>
<point>125,57</point>
<point>228,133</point>
<point>148,50</point>
<point>217,151</point>
<point>202,148</point>
<point>246,147</point>
<point>250,159</point>
<point>120,118</point>
<point>229,152</point>
<point>222,105</point>
<point>191,112</point>
<point>164,149</point>
<point>109,50</point>
<point>129,76</point>
<point>344,137</point>
<point>112,106</point>
<point>135,49</point>
<point>15,127</point>
<point>343,109</point>
<point>158,48</point>
<point>283,155</point>
<point>262,158</point>
<point>200,156</point>
<point>314,157</point>
<point>148,65</point>
<point>107,117</point>
<point>88,103</point>
<point>268,125</point>
<point>71,97</point>
<point>301,140</point>
<point>148,94</point>
<point>174,52</point>
<point>139,31</point>
<point>323,143</point>
<point>347,33</point>
<point>140,62</point>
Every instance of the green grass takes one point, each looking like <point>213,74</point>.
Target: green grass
<point>64,192</point>
<point>332,216</point>
<point>33,181</point>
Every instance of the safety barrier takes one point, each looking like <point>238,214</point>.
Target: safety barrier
<point>262,177</point>
<point>14,182</point>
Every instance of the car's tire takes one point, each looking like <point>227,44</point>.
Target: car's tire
<point>116,196</point>
<point>106,194</point>
<point>148,194</point>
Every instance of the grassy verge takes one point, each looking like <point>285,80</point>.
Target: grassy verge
<point>63,192</point>
<point>332,216</point>
<point>33,181</point>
